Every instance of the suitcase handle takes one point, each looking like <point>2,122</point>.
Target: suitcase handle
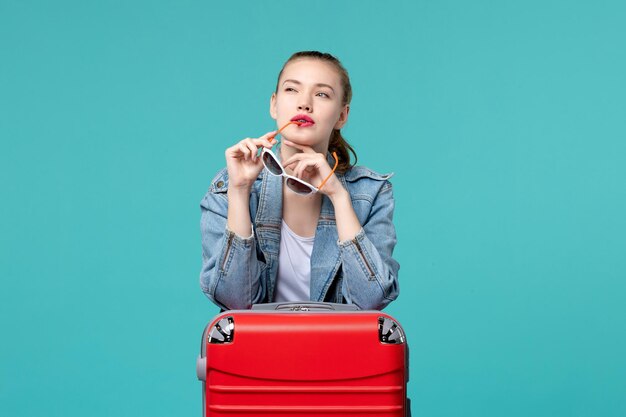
<point>305,306</point>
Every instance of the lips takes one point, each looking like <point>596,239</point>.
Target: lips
<point>303,120</point>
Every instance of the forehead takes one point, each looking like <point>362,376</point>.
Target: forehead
<point>311,71</point>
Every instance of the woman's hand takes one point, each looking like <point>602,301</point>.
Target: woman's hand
<point>312,167</point>
<point>242,162</point>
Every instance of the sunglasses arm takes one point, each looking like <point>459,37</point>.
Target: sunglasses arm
<point>331,172</point>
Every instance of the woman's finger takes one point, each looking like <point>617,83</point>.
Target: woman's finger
<point>317,158</point>
<point>267,143</point>
<point>252,147</point>
<point>306,168</point>
<point>297,169</point>
<point>245,152</point>
<point>294,158</point>
<point>269,136</point>
<point>267,140</point>
<point>233,151</point>
<point>247,148</point>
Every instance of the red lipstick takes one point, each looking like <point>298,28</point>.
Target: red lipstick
<point>303,120</point>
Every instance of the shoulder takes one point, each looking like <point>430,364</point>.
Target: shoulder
<point>362,181</point>
<point>219,183</point>
<point>358,172</point>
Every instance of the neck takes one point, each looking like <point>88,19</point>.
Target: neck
<point>301,212</point>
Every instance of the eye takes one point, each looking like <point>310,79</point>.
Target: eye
<point>324,94</point>
<point>289,89</point>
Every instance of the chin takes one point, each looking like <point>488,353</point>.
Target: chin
<point>303,139</point>
<point>304,136</point>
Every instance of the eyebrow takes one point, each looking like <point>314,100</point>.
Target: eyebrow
<point>317,85</point>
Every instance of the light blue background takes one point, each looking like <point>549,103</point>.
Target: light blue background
<point>504,124</point>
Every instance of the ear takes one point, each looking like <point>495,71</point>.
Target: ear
<point>273,106</point>
<point>343,117</point>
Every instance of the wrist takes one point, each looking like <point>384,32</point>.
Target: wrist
<point>239,192</point>
<point>340,195</point>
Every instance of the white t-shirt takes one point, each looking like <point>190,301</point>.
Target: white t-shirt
<point>294,266</point>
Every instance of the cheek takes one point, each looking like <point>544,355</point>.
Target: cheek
<point>284,104</point>
<point>332,115</point>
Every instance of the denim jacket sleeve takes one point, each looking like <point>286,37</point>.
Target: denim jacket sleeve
<point>369,270</point>
<point>230,274</point>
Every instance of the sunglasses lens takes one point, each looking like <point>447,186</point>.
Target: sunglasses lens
<point>298,187</point>
<point>271,164</point>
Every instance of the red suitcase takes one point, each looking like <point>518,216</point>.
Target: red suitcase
<point>314,359</point>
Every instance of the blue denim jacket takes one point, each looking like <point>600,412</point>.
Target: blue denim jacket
<point>238,272</point>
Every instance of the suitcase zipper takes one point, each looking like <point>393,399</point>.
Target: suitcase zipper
<point>369,268</point>
<point>230,241</point>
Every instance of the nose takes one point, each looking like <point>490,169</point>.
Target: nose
<point>304,107</point>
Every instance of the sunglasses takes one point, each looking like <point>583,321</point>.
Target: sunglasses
<point>273,165</point>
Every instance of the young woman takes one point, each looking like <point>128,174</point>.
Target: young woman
<point>302,222</point>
